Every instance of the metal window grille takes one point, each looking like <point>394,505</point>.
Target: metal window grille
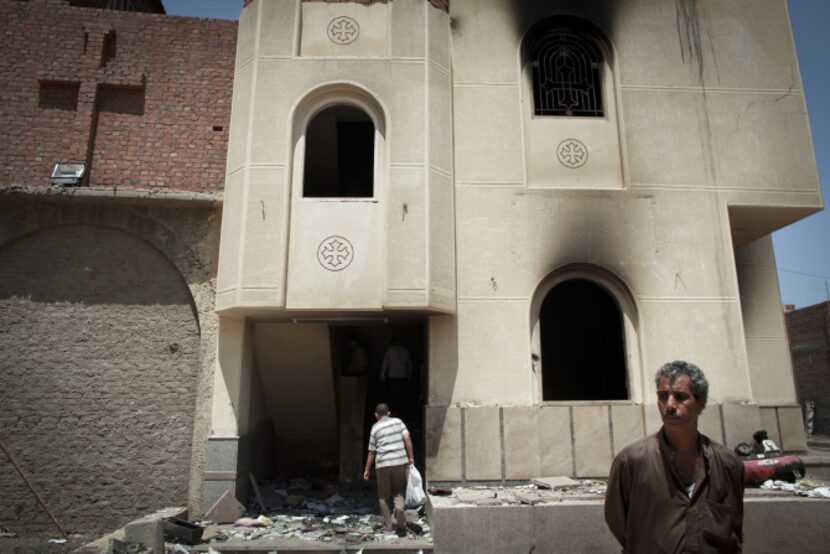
<point>567,74</point>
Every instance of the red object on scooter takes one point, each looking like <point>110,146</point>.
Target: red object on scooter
<point>781,468</point>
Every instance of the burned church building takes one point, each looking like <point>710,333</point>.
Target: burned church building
<point>211,232</point>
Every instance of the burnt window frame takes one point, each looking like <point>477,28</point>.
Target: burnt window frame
<point>620,293</point>
<point>588,95</point>
<point>570,329</point>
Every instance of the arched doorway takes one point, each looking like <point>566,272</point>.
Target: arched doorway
<point>582,343</point>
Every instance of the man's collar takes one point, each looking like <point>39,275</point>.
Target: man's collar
<point>668,452</point>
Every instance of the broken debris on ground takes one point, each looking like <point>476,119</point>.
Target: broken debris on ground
<point>315,511</point>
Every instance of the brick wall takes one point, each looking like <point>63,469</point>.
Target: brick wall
<point>809,333</point>
<point>98,378</point>
<point>144,98</point>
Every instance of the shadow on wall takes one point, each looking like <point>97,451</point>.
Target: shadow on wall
<point>602,13</point>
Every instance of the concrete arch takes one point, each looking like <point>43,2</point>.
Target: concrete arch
<point>327,95</point>
<point>137,221</point>
<point>619,291</point>
<point>68,226</point>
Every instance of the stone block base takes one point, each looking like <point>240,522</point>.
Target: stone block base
<point>771,525</point>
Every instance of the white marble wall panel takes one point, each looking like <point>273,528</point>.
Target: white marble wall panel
<point>482,443</point>
<point>521,452</point>
<point>555,441</point>
<point>443,443</point>
<point>592,441</point>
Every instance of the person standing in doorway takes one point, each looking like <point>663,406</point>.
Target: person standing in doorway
<point>395,374</point>
<point>358,361</point>
<point>390,451</point>
<point>677,491</point>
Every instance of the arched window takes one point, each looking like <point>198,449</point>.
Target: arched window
<point>583,343</point>
<point>567,67</point>
<point>339,154</point>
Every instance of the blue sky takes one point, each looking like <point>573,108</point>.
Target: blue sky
<point>801,250</point>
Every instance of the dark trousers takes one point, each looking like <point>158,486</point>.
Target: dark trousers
<point>391,492</point>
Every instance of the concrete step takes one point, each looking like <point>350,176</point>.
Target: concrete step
<point>774,522</point>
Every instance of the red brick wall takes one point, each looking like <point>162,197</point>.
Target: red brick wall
<point>145,98</point>
<point>809,333</point>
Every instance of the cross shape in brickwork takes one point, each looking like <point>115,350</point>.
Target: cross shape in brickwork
<point>94,72</point>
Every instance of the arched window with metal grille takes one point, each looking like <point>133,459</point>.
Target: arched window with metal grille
<point>567,66</point>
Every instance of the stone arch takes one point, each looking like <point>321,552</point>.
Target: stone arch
<point>602,282</point>
<point>140,221</point>
<point>579,23</point>
<point>102,357</point>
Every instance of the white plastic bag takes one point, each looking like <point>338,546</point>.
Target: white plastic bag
<point>415,495</point>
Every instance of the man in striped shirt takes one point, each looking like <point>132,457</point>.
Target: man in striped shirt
<point>390,450</point>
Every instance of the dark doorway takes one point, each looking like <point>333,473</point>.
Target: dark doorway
<point>583,353</point>
<point>339,154</point>
<point>406,404</point>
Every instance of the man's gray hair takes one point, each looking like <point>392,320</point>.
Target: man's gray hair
<point>673,370</point>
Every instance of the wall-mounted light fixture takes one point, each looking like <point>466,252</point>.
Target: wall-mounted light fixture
<point>68,174</point>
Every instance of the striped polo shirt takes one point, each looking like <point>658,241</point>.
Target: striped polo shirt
<point>386,441</point>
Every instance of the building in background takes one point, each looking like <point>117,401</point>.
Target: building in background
<point>809,333</point>
<point>541,201</point>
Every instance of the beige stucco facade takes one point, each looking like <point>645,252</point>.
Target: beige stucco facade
<point>703,150</point>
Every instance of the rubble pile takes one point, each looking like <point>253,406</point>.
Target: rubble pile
<point>803,487</point>
<point>537,492</point>
<point>315,511</point>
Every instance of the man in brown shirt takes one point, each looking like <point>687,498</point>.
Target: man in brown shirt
<point>676,491</point>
